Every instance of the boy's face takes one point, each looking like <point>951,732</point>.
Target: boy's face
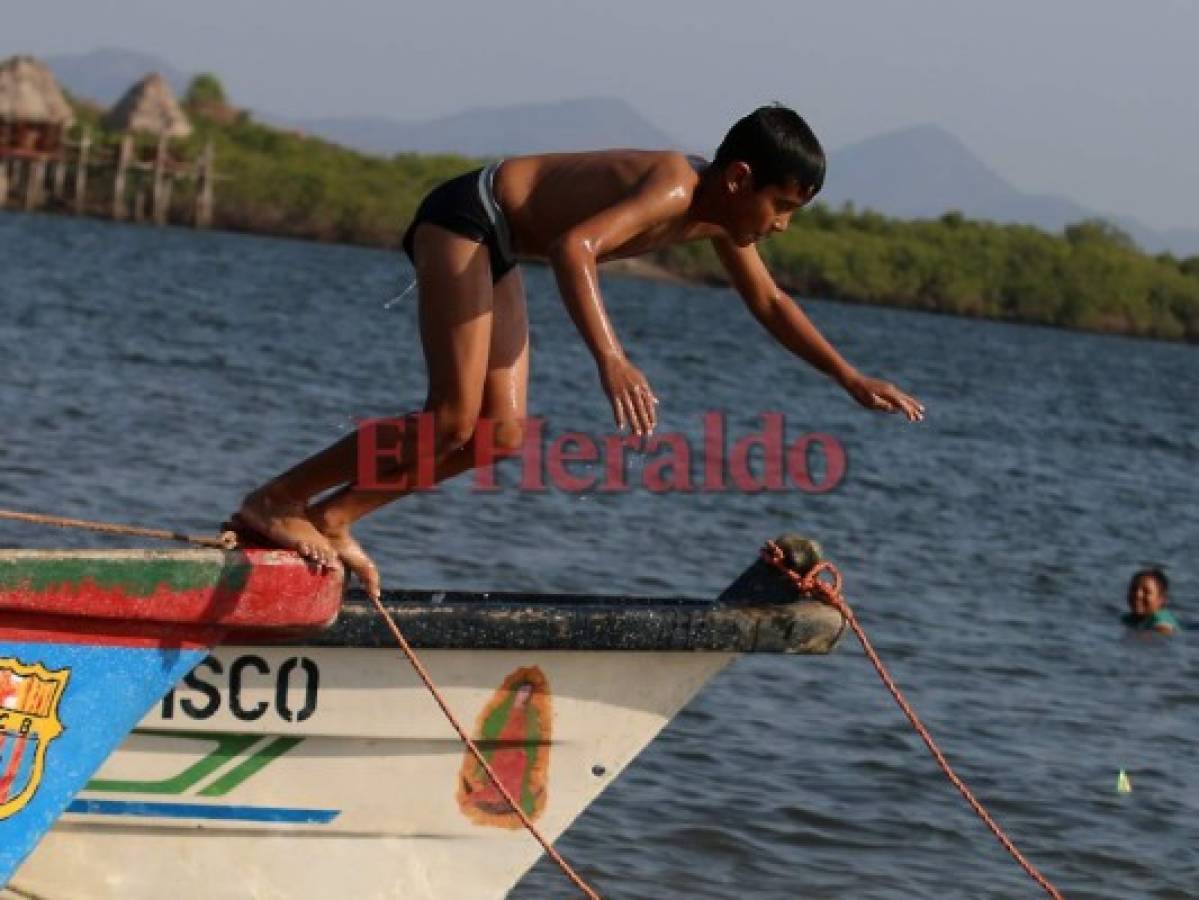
<point>755,213</point>
<point>1145,597</point>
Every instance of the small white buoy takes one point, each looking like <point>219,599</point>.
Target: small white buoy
<point>1123,785</point>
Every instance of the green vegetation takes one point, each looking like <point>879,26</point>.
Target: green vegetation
<point>285,183</point>
<point>1091,277</point>
<point>204,89</point>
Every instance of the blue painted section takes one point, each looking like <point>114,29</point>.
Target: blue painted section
<point>109,690</point>
<point>204,811</point>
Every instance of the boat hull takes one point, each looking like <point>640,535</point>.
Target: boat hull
<point>90,640</point>
<point>314,763</point>
<point>356,789</point>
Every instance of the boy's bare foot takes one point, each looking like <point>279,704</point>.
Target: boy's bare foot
<point>352,554</point>
<point>285,521</point>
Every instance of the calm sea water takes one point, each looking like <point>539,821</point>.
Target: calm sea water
<point>153,376</point>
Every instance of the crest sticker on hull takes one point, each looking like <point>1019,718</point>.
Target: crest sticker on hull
<point>29,723</point>
<point>513,731</point>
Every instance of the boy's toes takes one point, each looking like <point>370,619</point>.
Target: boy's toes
<point>308,555</point>
<point>323,558</point>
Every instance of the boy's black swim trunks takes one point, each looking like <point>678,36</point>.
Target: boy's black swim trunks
<point>466,205</point>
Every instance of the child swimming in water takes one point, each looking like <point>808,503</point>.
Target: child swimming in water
<point>1147,596</point>
<point>572,211</point>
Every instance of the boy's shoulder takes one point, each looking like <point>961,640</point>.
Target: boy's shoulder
<point>647,160</point>
<point>1163,617</point>
<point>623,169</point>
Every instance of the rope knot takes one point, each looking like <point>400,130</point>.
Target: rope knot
<point>822,580</point>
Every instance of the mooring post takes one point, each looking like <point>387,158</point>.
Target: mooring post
<point>85,142</point>
<point>3,182</point>
<point>118,186</point>
<point>158,191</point>
<point>204,194</point>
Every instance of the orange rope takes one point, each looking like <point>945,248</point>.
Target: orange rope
<point>478,755</point>
<point>828,590</point>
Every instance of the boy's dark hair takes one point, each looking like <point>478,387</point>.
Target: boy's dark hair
<point>1151,572</point>
<point>778,146</point>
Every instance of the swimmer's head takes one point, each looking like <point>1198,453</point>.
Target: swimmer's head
<point>1147,592</point>
<point>769,165</point>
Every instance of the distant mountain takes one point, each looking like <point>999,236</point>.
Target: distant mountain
<point>586,123</point>
<point>924,171</point>
<point>105,75</point>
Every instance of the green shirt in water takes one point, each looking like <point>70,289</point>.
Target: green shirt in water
<point>1162,620</point>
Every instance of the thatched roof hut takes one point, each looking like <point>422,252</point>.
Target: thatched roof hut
<point>149,105</point>
<point>29,93</point>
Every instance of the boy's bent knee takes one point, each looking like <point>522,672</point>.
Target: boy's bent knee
<point>508,435</point>
<point>498,438</point>
<point>451,433</point>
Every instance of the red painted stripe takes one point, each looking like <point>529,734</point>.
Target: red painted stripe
<point>280,592</point>
<point>14,763</point>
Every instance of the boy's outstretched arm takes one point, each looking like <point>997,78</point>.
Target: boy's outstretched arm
<point>574,258</point>
<point>787,323</point>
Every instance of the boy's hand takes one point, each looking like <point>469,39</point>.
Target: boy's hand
<point>874,393</point>
<point>632,399</point>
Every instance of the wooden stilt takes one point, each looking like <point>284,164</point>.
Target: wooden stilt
<point>158,185</point>
<point>6,180</point>
<point>35,184</point>
<point>118,186</point>
<point>59,178</point>
<point>204,193</point>
<point>85,143</point>
<point>32,177</point>
<point>16,178</point>
<point>163,214</point>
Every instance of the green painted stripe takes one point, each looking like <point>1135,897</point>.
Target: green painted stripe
<point>136,577</point>
<point>493,725</point>
<point>227,747</point>
<point>532,751</point>
<point>250,767</point>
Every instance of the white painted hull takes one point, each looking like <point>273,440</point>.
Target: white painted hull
<point>371,786</point>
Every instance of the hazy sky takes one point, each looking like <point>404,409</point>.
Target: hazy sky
<point>1092,99</point>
